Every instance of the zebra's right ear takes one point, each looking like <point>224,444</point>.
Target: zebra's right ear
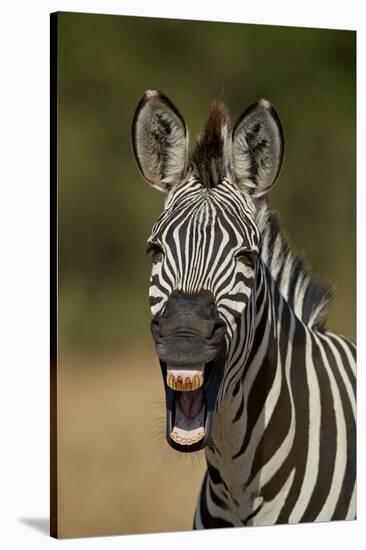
<point>160,141</point>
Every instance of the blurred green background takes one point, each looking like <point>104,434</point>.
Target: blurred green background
<point>106,212</point>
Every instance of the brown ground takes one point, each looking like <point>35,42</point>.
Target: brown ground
<point>116,472</point>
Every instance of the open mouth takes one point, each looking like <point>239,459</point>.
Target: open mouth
<point>190,343</point>
<point>190,398</point>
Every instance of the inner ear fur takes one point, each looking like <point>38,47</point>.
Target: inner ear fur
<point>257,148</point>
<point>160,141</point>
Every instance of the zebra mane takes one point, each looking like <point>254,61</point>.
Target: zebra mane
<point>211,158</point>
<point>307,296</point>
<point>211,155</point>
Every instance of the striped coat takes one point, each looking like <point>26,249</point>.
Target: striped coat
<point>280,439</point>
<point>286,429</point>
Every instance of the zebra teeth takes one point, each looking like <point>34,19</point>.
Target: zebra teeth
<point>184,380</point>
<point>197,381</point>
<point>185,438</point>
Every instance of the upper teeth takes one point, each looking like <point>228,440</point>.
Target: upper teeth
<point>184,381</point>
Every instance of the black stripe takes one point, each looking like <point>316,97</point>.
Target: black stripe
<point>208,521</point>
<point>236,388</point>
<point>258,394</point>
<point>279,424</point>
<point>215,498</point>
<point>239,412</point>
<point>215,476</point>
<point>328,433</point>
<point>153,301</point>
<point>298,454</point>
<point>345,362</point>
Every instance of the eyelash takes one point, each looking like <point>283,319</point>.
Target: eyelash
<point>247,257</point>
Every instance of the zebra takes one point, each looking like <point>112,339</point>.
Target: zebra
<point>251,374</point>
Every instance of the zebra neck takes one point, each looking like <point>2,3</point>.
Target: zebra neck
<point>239,451</point>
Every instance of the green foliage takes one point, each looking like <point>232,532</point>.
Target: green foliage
<point>106,210</point>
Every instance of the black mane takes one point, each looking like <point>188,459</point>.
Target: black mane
<point>209,157</point>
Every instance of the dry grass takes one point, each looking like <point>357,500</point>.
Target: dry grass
<point>116,472</point>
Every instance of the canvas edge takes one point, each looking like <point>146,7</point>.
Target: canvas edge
<point>54,527</point>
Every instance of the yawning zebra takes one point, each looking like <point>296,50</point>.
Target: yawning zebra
<point>250,373</point>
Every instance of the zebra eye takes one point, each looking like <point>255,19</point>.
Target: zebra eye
<point>157,257</point>
<point>246,257</point>
<point>156,250</point>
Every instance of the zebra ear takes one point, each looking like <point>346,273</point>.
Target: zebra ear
<point>160,141</point>
<point>257,148</point>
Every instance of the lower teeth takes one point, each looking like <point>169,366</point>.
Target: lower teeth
<point>186,440</point>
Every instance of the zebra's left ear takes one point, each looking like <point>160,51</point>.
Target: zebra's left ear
<point>160,141</point>
<point>257,148</point>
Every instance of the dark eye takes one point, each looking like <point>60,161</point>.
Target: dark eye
<point>156,250</point>
<point>246,257</point>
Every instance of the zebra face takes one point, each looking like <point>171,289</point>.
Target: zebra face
<point>205,250</point>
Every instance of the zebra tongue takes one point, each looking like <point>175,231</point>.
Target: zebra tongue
<point>191,402</point>
<point>189,418</point>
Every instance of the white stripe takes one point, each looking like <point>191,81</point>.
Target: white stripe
<point>328,508</point>
<point>343,343</point>
<point>270,510</point>
<point>342,371</point>
<point>351,514</point>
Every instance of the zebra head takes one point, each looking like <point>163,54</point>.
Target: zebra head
<point>206,249</point>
